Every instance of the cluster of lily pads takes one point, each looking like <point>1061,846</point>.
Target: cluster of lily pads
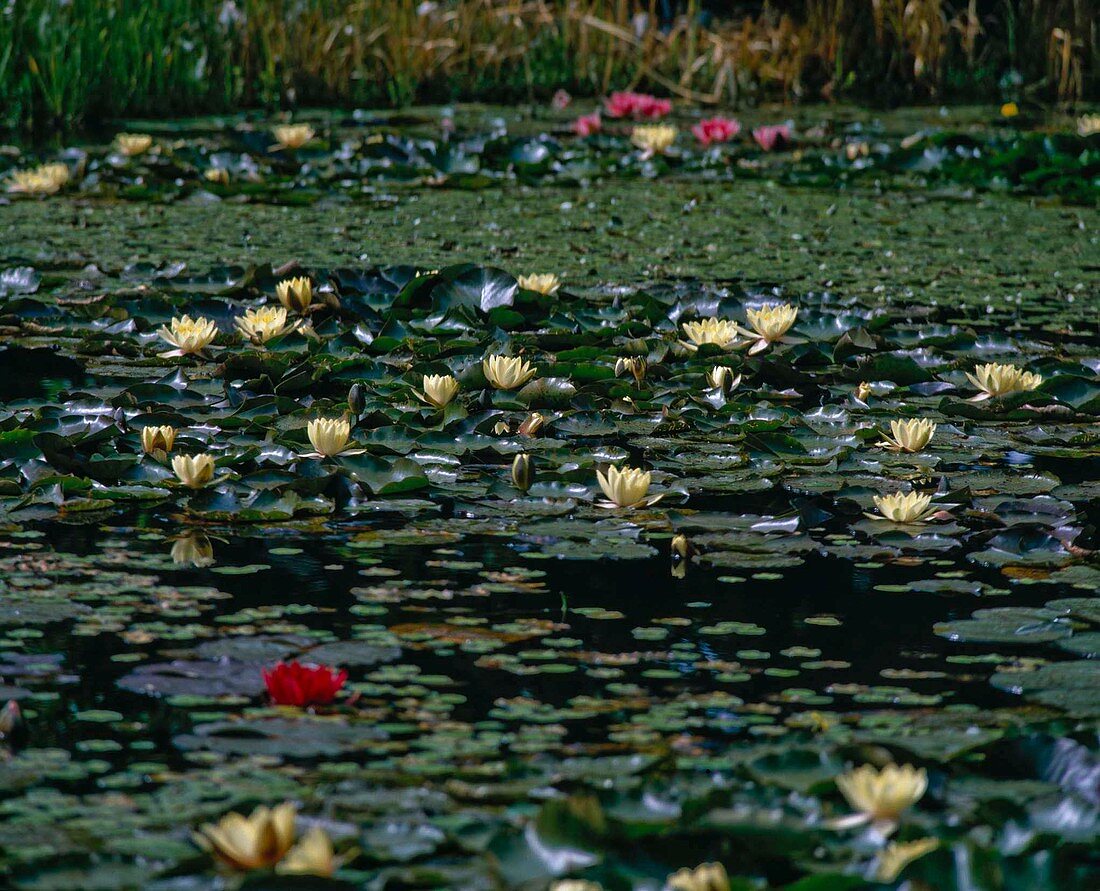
<point>299,163</point>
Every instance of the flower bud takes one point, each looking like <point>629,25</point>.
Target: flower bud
<point>357,400</point>
<point>522,472</point>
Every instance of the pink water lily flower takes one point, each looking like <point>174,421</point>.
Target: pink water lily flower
<point>561,100</point>
<point>771,137</point>
<point>587,124</point>
<point>637,106</point>
<point>711,130</point>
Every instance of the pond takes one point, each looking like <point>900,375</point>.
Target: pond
<point>819,648</point>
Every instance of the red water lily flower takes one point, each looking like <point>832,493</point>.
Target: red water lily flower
<point>291,683</point>
<point>587,124</point>
<point>716,130</point>
<point>772,137</point>
<point>637,106</point>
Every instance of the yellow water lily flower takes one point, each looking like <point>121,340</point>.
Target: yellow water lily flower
<point>194,471</point>
<point>770,323</point>
<point>158,441</point>
<point>296,294</point>
<point>880,796</point>
<point>908,507</point>
<point>193,549</point>
<point>705,877</point>
<point>721,332</point>
<point>329,437</point>
<point>258,841</point>
<point>292,136</point>
<point>187,335</point>
<point>653,139</point>
<point>46,179</point>
<point>625,488</point>
<point>218,175</point>
<point>910,435</point>
<point>999,380</point>
<point>543,283</point>
<point>898,855</point>
<point>1010,110</point>
<point>507,372</point>
<point>439,389</point>
<point>261,324</point>
<point>719,378</point>
<point>311,856</point>
<point>1088,124</point>
<point>133,144</point>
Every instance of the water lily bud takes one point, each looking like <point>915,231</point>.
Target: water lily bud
<point>13,728</point>
<point>636,366</point>
<point>522,472</point>
<point>357,399</point>
<point>501,428</point>
<point>532,424</point>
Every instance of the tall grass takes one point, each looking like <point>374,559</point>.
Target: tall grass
<point>72,63</point>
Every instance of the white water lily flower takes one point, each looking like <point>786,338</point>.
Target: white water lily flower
<point>721,332</point>
<point>507,372</point>
<point>439,389</point>
<point>263,323</point>
<point>719,378</point>
<point>880,796</point>
<point>910,507</point>
<point>46,179</point>
<point>625,488</point>
<point>296,294</point>
<point>194,471</point>
<point>133,144</point>
<point>329,437</point>
<point>999,380</point>
<point>311,856</point>
<point>293,136</point>
<point>770,323</point>
<point>910,435</point>
<point>188,336</point>
<point>543,283</point>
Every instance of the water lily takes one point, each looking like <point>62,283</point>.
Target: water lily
<point>770,323</point>
<point>720,377</point>
<point>263,323</point>
<point>133,144</point>
<point>587,124</point>
<point>636,105</point>
<point>292,683</point>
<point>521,472</point>
<point>188,336</point>
<point>439,389</point>
<point>721,332</point>
<point>258,841</point>
<point>999,380</point>
<point>311,856</point>
<point>296,294</point>
<point>625,488</point>
<point>46,179</point>
<point>898,855</point>
<point>712,130</point>
<point>908,507</point>
<point>193,549</point>
<point>158,441</point>
<point>1010,110</point>
<point>329,437</point>
<point>910,435</point>
<point>194,471</point>
<point>543,283</point>
<point>653,139</point>
<point>507,372</point>
<point>704,877</point>
<point>292,136</point>
<point>216,175</point>
<point>531,425</point>
<point>773,136</point>
<point>880,796</point>
<point>635,366</point>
